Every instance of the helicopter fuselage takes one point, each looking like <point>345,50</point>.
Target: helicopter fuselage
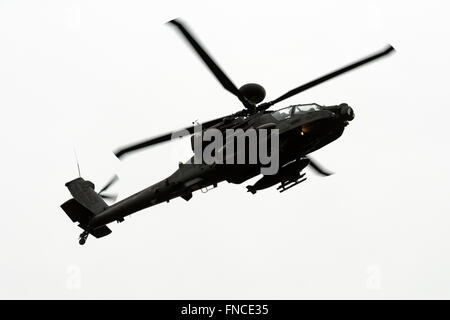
<point>299,134</point>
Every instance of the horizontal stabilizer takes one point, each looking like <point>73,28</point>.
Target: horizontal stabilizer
<point>78,213</point>
<point>101,231</point>
<point>86,204</point>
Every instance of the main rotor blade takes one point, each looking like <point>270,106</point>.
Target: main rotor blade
<point>389,49</point>
<point>109,184</point>
<point>211,64</point>
<point>162,138</point>
<point>318,168</point>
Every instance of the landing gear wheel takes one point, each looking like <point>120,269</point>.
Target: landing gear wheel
<point>83,238</point>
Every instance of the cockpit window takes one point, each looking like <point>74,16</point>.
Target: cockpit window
<point>282,114</point>
<point>302,108</point>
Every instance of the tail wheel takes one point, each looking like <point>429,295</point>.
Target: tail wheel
<point>83,238</point>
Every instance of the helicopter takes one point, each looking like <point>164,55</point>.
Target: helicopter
<point>300,129</point>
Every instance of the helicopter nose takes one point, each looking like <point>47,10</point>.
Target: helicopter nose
<point>346,112</point>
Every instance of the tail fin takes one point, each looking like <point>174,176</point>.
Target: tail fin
<point>86,203</point>
<point>83,192</point>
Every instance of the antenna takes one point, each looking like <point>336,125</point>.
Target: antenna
<point>78,164</point>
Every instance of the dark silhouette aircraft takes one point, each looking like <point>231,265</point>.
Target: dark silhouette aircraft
<point>301,129</point>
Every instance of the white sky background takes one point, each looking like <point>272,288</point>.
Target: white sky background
<point>96,75</point>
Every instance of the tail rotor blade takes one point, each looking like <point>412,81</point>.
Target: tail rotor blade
<point>112,197</point>
<point>109,184</point>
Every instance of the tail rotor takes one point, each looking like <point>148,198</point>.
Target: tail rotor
<point>109,196</point>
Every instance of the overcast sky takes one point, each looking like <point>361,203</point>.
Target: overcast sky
<point>96,75</point>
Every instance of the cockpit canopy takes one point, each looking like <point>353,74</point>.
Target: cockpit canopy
<point>287,112</point>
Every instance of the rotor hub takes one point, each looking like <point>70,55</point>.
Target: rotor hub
<point>253,92</point>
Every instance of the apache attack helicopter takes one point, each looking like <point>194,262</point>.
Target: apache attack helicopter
<point>302,129</point>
